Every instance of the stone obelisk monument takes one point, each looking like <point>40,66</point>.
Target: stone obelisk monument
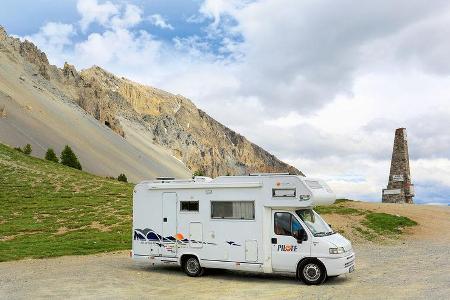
<point>399,189</point>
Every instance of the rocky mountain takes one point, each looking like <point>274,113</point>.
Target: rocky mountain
<point>148,120</point>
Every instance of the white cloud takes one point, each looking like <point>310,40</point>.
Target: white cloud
<point>108,14</point>
<point>159,21</point>
<point>119,50</point>
<point>92,11</point>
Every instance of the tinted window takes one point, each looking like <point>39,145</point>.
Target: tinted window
<point>283,223</point>
<point>295,227</point>
<point>243,210</point>
<point>286,224</point>
<point>189,206</point>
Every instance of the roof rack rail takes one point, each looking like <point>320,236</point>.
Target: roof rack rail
<point>268,174</point>
<point>165,178</point>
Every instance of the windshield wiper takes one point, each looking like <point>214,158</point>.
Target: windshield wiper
<point>323,233</point>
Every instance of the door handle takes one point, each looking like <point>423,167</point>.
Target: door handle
<point>164,219</point>
<point>274,241</point>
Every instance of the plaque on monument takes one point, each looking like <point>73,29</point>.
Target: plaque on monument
<point>397,177</point>
<point>391,192</point>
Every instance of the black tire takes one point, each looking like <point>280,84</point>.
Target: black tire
<point>192,268</point>
<point>312,272</point>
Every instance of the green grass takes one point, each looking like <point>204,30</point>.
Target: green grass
<point>47,209</point>
<point>343,201</point>
<point>338,209</point>
<point>374,225</point>
<point>365,233</point>
<point>382,223</point>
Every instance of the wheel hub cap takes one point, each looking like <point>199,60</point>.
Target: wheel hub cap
<point>311,272</point>
<point>192,266</point>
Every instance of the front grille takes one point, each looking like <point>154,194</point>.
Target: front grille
<point>348,264</point>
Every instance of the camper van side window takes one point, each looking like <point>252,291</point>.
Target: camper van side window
<point>290,192</point>
<point>241,210</point>
<point>189,206</point>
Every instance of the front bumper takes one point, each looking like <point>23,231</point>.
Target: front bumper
<point>340,265</point>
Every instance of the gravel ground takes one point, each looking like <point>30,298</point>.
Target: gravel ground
<point>414,267</point>
<point>411,269</point>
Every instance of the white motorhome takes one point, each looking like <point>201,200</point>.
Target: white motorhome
<point>261,223</point>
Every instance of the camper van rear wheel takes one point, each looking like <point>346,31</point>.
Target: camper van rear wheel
<point>192,267</point>
<point>311,272</point>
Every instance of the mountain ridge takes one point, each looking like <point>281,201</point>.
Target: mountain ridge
<point>146,116</point>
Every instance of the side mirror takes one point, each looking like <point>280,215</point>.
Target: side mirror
<point>301,235</point>
<point>329,225</point>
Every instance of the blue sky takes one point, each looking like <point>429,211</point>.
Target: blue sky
<point>321,84</point>
<point>33,14</point>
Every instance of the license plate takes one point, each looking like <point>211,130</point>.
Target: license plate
<point>351,269</point>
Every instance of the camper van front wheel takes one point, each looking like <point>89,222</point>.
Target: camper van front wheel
<point>192,267</point>
<point>311,272</point>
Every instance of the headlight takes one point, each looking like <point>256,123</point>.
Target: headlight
<point>338,250</point>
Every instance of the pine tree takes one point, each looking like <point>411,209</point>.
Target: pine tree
<point>122,177</point>
<point>68,158</point>
<point>51,156</point>
<point>27,149</point>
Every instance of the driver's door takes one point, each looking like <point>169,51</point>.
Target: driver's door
<point>286,250</point>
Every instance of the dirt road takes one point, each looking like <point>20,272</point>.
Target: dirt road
<point>415,267</point>
<point>410,270</point>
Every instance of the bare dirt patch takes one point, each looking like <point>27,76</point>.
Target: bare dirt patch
<point>62,230</point>
<point>100,227</point>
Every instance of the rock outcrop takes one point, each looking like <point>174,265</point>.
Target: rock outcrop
<point>171,121</point>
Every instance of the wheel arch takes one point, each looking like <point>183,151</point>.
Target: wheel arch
<point>185,256</point>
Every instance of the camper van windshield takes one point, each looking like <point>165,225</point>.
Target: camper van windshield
<point>314,222</point>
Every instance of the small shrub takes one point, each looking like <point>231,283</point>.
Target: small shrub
<point>27,149</point>
<point>198,173</point>
<point>18,149</point>
<point>51,156</point>
<point>68,158</point>
<point>122,177</point>
<point>2,111</point>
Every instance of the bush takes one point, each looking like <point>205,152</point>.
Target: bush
<point>198,173</point>
<point>68,158</point>
<point>122,177</point>
<point>51,156</point>
<point>18,149</point>
<point>27,149</point>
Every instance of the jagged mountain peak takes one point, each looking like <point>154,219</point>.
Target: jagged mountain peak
<point>146,116</point>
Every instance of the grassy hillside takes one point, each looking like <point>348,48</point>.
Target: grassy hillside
<point>47,209</point>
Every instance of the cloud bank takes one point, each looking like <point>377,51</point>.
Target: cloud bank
<point>321,84</point>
